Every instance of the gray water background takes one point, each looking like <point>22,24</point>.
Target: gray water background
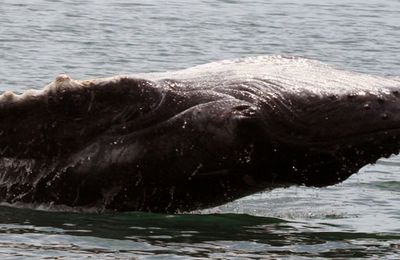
<point>85,39</point>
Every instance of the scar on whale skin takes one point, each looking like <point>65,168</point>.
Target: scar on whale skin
<point>195,138</point>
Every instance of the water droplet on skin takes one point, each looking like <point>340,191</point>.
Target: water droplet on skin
<point>248,159</point>
<point>367,107</point>
<point>195,171</point>
<point>385,116</point>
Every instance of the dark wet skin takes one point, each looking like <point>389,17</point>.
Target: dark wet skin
<point>174,145</point>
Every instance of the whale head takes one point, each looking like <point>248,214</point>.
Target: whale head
<point>196,138</point>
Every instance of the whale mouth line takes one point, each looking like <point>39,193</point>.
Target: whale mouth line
<point>384,132</point>
<point>373,136</point>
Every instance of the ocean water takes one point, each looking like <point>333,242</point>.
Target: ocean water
<point>359,218</point>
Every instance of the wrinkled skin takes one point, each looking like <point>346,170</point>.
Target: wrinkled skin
<point>174,142</point>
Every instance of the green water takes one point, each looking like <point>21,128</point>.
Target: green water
<point>26,233</point>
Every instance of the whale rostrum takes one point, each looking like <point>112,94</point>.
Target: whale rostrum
<point>194,138</point>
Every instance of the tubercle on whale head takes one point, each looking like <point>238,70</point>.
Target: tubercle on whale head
<point>8,96</point>
<point>61,83</point>
<point>64,82</point>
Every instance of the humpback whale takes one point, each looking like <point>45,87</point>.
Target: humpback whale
<point>193,138</point>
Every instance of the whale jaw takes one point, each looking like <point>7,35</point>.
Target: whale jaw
<point>320,140</point>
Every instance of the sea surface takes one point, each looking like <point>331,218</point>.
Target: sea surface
<point>359,218</point>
